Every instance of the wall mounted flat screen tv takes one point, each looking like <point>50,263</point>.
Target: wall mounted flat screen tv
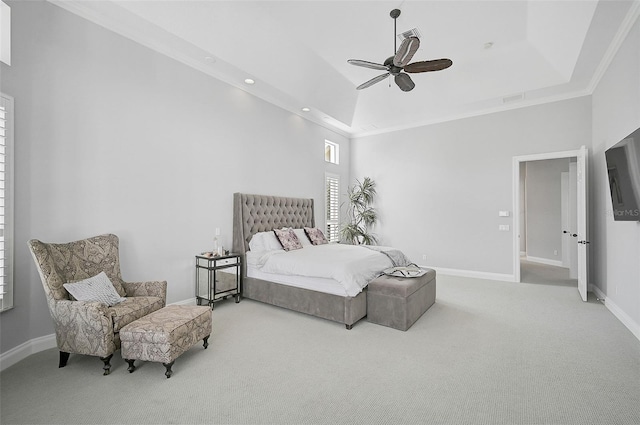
<point>623,168</point>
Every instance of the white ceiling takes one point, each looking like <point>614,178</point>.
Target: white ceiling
<point>297,51</point>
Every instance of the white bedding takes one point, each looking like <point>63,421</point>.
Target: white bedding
<point>351,266</point>
<point>319,284</point>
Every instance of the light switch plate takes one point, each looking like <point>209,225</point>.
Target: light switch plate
<point>503,213</point>
<point>503,227</point>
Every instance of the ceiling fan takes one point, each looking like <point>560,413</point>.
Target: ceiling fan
<point>394,65</point>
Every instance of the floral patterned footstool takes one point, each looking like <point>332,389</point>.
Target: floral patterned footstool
<point>165,334</point>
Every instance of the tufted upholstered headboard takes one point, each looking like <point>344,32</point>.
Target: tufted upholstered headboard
<point>261,213</point>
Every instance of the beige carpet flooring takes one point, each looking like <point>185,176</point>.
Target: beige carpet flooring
<point>487,352</point>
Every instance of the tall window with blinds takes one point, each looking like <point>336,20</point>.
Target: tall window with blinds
<point>332,207</point>
<point>6,202</point>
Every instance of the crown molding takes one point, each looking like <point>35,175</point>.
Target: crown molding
<point>110,16</point>
<point>146,37</point>
<point>621,35</point>
<point>476,113</point>
<point>628,22</point>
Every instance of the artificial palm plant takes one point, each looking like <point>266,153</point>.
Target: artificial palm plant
<point>360,212</point>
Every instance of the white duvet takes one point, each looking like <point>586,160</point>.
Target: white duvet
<point>351,265</point>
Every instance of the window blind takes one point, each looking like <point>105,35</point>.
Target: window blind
<point>6,226</point>
<point>332,190</point>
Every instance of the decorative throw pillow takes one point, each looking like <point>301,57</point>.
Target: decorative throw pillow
<point>97,288</point>
<point>315,236</point>
<point>288,239</point>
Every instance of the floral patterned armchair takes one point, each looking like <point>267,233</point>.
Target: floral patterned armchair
<point>87,327</point>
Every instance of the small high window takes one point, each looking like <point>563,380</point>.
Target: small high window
<point>331,152</point>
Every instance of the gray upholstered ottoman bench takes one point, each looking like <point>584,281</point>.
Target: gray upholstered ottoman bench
<point>398,302</point>
<point>165,334</point>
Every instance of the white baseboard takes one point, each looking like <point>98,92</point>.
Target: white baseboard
<point>35,345</point>
<point>188,301</point>
<point>557,263</point>
<point>617,311</point>
<point>472,273</point>
<point>24,350</point>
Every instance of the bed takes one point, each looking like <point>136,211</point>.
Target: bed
<point>261,213</point>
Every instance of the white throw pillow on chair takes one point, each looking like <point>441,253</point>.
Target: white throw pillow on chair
<point>97,288</point>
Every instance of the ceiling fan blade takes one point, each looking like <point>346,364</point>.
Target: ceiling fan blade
<point>404,82</point>
<point>406,51</point>
<point>373,81</point>
<point>366,64</point>
<point>426,66</point>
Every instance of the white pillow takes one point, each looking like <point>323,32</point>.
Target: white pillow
<point>302,237</point>
<point>264,241</point>
<point>97,288</point>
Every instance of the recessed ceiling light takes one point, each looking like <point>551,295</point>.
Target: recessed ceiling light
<point>305,109</point>
<point>249,81</point>
<point>488,45</point>
<point>210,59</point>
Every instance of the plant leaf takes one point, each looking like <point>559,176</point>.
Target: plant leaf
<point>360,212</point>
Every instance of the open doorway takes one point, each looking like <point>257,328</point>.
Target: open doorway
<point>548,221</point>
<point>578,238</point>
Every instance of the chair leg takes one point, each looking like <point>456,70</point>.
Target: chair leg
<point>63,359</point>
<point>206,341</point>
<point>107,364</point>
<point>169,371</point>
<point>131,367</point>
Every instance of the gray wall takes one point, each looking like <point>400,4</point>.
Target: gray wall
<point>441,186</point>
<point>544,208</point>
<point>615,246</point>
<point>113,137</point>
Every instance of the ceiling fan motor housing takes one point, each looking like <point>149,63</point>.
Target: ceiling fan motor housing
<point>393,70</point>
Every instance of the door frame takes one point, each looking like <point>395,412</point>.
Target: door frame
<point>516,196</point>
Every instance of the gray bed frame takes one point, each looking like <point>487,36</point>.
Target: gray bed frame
<point>261,213</point>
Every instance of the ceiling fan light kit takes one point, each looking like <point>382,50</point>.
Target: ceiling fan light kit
<point>404,82</point>
<point>399,62</point>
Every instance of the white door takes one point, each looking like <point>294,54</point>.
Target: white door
<point>573,220</point>
<point>583,236</point>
